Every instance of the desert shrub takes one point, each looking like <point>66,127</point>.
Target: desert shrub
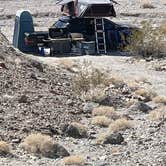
<point>163,27</point>
<point>160,99</point>
<point>147,5</point>
<point>120,124</point>
<point>116,81</point>
<point>88,78</point>
<point>38,144</point>
<point>102,121</point>
<point>73,160</point>
<point>67,64</point>
<point>146,94</point>
<point>82,130</point>
<point>101,138</point>
<point>105,111</point>
<point>4,148</point>
<point>147,42</point>
<point>96,94</point>
<point>157,114</point>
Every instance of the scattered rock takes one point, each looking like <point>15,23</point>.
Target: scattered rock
<point>140,106</point>
<point>2,65</point>
<point>88,107</point>
<point>114,138</point>
<point>60,151</point>
<point>37,65</point>
<point>75,130</point>
<point>23,99</point>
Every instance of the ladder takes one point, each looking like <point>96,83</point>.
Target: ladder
<point>100,36</point>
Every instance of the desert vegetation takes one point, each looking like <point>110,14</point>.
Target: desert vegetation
<point>105,111</point>
<point>149,41</point>
<point>158,114</point>
<point>121,124</point>
<point>73,160</point>
<point>102,121</point>
<point>160,99</point>
<point>89,78</point>
<point>38,143</point>
<point>4,148</point>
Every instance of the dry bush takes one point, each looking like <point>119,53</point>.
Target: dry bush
<point>4,148</point>
<point>105,111</point>
<point>101,138</point>
<point>133,85</point>
<point>163,27</point>
<point>147,94</point>
<point>38,143</point>
<point>116,81</point>
<point>89,78</point>
<point>147,5</point>
<point>147,42</point>
<point>120,124</point>
<point>67,64</point>
<point>96,94</point>
<point>102,121</point>
<point>73,160</point>
<point>160,99</point>
<point>157,114</point>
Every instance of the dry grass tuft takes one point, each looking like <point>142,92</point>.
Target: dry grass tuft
<point>67,64</point>
<point>148,95</point>
<point>133,85</point>
<point>120,124</point>
<point>147,6</point>
<point>101,138</point>
<point>158,114</point>
<point>163,27</point>
<point>38,143</point>
<point>4,148</point>
<point>160,99</point>
<point>105,111</point>
<point>88,78</point>
<point>96,94</point>
<point>102,121</point>
<point>116,81</point>
<point>73,160</point>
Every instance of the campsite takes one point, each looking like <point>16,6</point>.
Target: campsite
<point>82,82</point>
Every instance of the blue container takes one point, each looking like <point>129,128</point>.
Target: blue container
<point>23,23</point>
<point>88,47</point>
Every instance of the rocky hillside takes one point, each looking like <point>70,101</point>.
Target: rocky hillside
<point>34,97</point>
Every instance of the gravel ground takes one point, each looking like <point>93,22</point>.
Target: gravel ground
<point>37,95</point>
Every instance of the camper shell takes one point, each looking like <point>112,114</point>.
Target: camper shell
<point>91,8</point>
<point>86,31</point>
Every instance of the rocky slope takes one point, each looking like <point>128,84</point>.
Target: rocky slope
<point>34,97</point>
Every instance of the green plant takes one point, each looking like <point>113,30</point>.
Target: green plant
<point>148,41</point>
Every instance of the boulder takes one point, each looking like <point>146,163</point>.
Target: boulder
<point>113,138</point>
<point>75,130</point>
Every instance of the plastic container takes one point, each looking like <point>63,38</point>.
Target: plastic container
<point>88,47</point>
<point>44,51</point>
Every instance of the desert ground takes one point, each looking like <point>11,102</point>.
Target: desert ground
<point>120,120</point>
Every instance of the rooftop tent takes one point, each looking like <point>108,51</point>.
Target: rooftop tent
<point>92,8</point>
